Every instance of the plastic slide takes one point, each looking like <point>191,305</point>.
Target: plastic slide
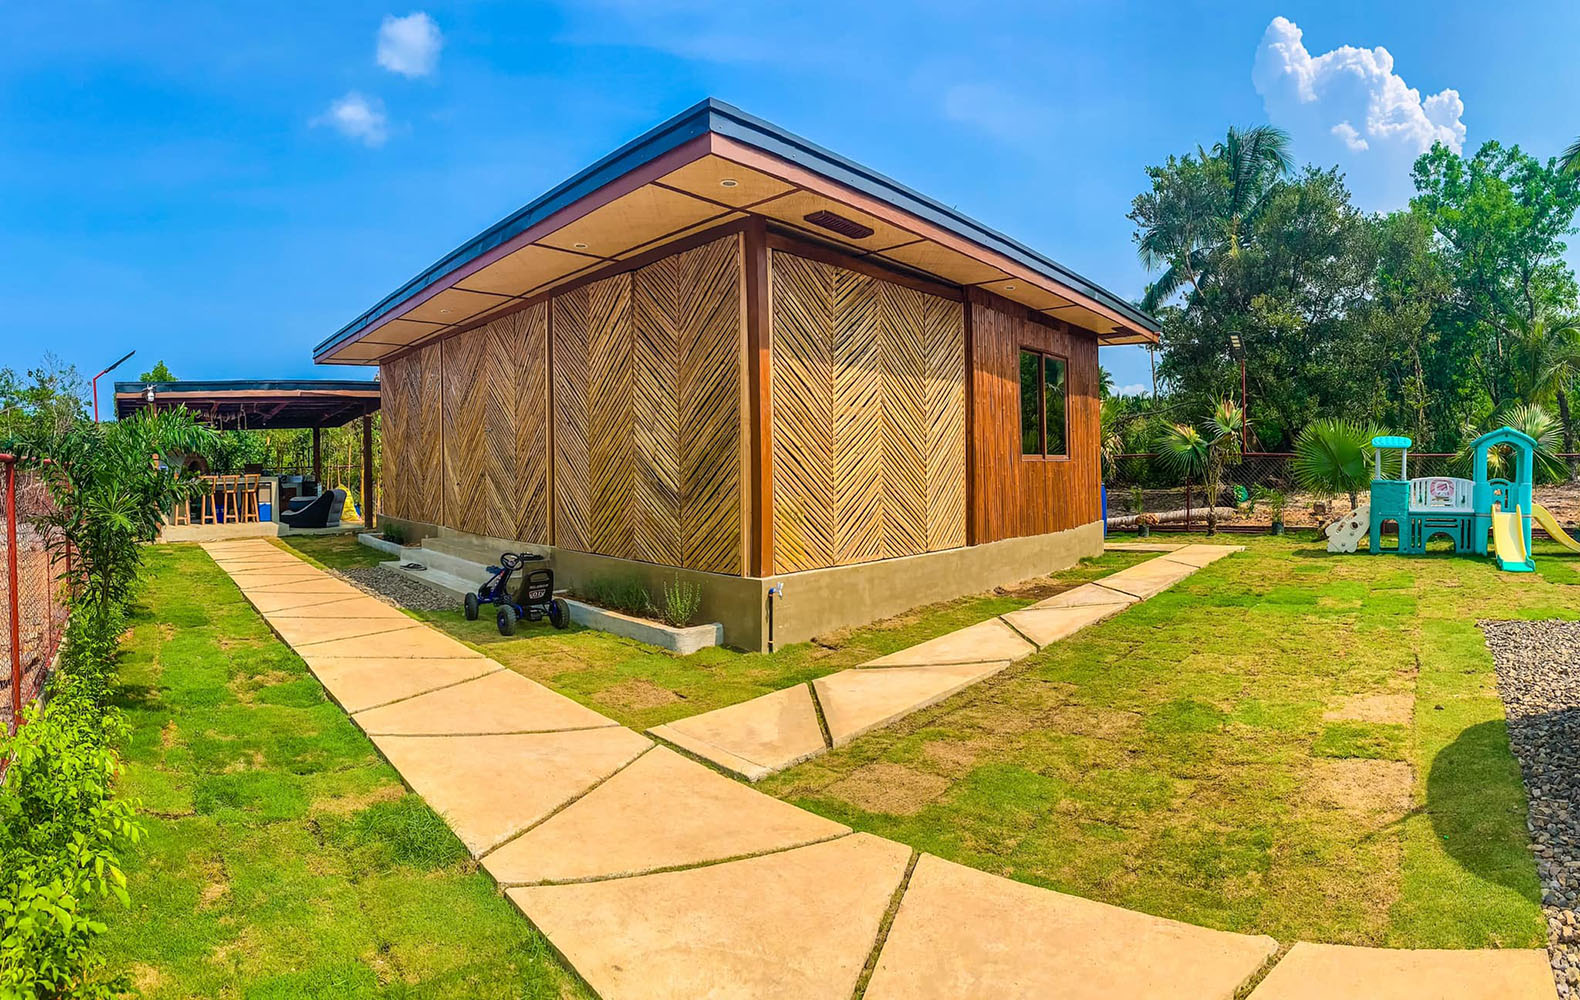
<point>1508,541</point>
<point>1554,530</point>
<point>1345,534</point>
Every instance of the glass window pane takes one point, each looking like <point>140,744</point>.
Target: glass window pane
<point>1030,418</point>
<point>1053,395</point>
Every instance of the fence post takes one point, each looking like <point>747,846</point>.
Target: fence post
<point>1187,505</point>
<point>11,587</point>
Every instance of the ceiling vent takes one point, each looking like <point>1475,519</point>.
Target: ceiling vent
<point>839,224</point>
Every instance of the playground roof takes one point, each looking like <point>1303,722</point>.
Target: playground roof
<point>1391,441</point>
<point>709,166</point>
<point>268,404</point>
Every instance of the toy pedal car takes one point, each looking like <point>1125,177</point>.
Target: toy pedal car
<point>534,600</point>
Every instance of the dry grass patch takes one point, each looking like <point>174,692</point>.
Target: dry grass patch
<point>1392,707</point>
<point>889,788</point>
<point>636,694</point>
<point>1357,785</point>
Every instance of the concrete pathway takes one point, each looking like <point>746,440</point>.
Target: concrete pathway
<point>768,734</point>
<point>654,876</point>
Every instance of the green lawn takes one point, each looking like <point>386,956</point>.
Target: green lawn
<point>284,857</point>
<point>1177,759</point>
<point>641,686</point>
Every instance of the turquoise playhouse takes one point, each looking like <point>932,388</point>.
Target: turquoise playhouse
<point>1479,515</point>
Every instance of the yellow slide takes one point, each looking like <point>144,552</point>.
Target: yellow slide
<point>1550,525</point>
<point>1508,541</point>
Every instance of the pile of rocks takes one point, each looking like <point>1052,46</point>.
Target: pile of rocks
<point>398,589</point>
<point>1539,680</point>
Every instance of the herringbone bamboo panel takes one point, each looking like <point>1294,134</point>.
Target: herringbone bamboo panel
<point>464,464</point>
<point>610,440</point>
<point>943,345</point>
<point>528,508</point>
<point>710,407</point>
<point>647,422</point>
<point>410,391</point>
<point>571,477</point>
<point>868,418</point>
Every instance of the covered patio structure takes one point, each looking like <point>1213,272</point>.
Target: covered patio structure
<point>271,404</point>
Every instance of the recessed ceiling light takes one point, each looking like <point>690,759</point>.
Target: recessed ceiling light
<point>1009,288</point>
<point>729,182</point>
<point>579,246</point>
<point>444,312</point>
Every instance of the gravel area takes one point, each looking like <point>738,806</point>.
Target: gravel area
<point>401,591</point>
<point>1538,667</point>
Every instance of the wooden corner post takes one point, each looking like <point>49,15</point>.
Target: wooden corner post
<point>759,400</point>
<point>367,471</point>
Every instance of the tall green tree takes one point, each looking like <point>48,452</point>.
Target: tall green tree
<point>158,373</point>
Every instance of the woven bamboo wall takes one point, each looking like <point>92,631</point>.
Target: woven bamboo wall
<point>411,390</point>
<point>495,412</point>
<point>1018,496</point>
<point>868,417</point>
<point>647,383</point>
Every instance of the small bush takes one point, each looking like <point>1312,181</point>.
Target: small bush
<point>682,601</point>
<point>621,593</point>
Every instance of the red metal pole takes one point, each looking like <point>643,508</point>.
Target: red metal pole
<point>11,586</point>
<point>1245,415</point>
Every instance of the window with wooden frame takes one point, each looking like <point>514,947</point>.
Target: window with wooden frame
<point>1043,405</point>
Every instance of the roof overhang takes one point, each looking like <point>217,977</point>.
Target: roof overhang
<point>274,404</point>
<point>710,166</point>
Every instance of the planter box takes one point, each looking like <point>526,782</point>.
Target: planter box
<point>677,640</point>
<point>373,541</point>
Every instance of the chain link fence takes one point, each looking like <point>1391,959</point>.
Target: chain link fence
<point>1243,500</point>
<point>33,571</point>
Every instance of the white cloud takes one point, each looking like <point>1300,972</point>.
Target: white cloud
<point>1133,389</point>
<point>995,110</point>
<point>357,117</point>
<point>409,45</point>
<point>1353,94</point>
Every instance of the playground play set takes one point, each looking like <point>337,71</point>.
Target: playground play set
<point>1465,511</point>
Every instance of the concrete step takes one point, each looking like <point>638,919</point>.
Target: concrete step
<point>447,562</point>
<point>450,583</point>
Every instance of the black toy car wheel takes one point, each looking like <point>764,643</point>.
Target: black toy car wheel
<point>559,613</point>
<point>506,620</point>
<point>470,607</point>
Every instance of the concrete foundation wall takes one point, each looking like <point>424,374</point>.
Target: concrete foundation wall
<point>815,602</point>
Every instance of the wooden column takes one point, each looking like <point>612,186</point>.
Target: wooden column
<point>759,399</point>
<point>367,470</point>
<point>318,459</point>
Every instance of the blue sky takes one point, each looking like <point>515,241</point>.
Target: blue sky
<point>224,185</point>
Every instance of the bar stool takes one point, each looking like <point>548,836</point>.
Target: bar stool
<point>232,513</point>
<point>207,512</point>
<point>249,499</point>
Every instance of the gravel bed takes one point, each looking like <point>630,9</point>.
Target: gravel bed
<point>1538,667</point>
<point>397,589</point>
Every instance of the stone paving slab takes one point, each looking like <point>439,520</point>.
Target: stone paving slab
<point>664,811</point>
<point>855,702</point>
<point>351,607</point>
<point>983,642</point>
<point>359,683</point>
<point>960,932</point>
<point>322,585</point>
<point>269,602</point>
<point>307,632</point>
<point>1343,972</point>
<point>1203,555</point>
<point>754,738</point>
<point>420,642</point>
<point>255,560</point>
<point>797,925</point>
<point>499,702</point>
<point>1087,595</point>
<point>489,788</point>
<point>1046,626</point>
<point>1147,579</point>
<point>247,579</point>
<point>1141,547</point>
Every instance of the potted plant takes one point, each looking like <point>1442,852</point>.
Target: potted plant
<point>1138,500</point>
<point>1276,502</point>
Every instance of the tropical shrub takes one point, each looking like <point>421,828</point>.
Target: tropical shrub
<point>1335,456</point>
<point>1203,453</point>
<point>621,593</point>
<point>1528,418</point>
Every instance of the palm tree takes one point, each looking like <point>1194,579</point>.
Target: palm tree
<point>1544,358</point>
<point>1529,419</point>
<point>1335,456</point>
<point>1569,159</point>
<point>1199,216</point>
<point>1204,452</point>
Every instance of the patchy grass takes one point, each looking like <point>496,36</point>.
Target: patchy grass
<point>1233,753</point>
<point>284,858</point>
<point>641,686</point>
<point>332,551</point>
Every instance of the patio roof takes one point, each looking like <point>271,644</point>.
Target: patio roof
<point>269,404</point>
<point>711,165</point>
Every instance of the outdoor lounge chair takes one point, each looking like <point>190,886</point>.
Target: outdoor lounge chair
<point>322,512</point>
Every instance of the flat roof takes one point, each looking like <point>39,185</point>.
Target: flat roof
<point>708,165</point>
<point>257,404</point>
